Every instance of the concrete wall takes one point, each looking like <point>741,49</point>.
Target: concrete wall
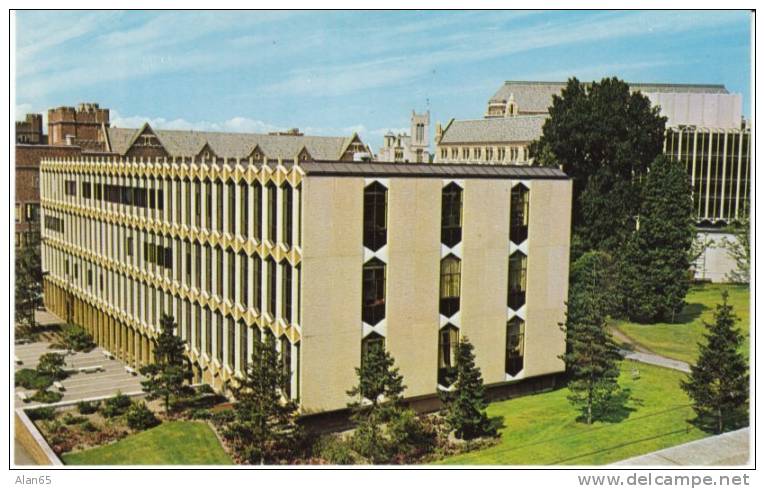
<point>715,263</point>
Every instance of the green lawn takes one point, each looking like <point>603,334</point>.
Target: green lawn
<point>171,443</point>
<point>541,429</point>
<point>680,340</point>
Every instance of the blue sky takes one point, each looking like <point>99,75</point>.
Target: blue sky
<point>332,73</point>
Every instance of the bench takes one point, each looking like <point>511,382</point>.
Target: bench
<point>91,369</point>
<point>58,385</point>
<point>130,370</point>
<point>17,360</point>
<point>108,354</point>
<point>23,396</point>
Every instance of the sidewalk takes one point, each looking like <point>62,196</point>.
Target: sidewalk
<point>658,360</point>
<point>727,449</point>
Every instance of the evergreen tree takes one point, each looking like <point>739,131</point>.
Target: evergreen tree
<point>718,384</point>
<point>604,137</point>
<point>738,250</point>
<point>29,277</point>
<point>378,396</point>
<point>655,266</point>
<point>169,375</point>
<point>592,357</point>
<point>264,429</point>
<point>465,405</point>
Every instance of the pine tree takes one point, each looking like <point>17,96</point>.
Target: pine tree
<point>28,291</point>
<point>655,265</point>
<point>465,405</point>
<point>169,375</point>
<point>718,384</point>
<point>592,357</point>
<point>378,397</point>
<point>738,250</point>
<point>264,429</point>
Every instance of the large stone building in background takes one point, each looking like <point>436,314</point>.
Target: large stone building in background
<point>408,148</point>
<point>705,131</point>
<point>241,237</point>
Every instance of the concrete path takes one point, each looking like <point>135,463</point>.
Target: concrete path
<point>654,359</point>
<point>727,449</point>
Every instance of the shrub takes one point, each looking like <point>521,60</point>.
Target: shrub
<point>140,417</point>
<point>411,437</point>
<point>115,406</point>
<point>85,407</point>
<point>46,396</point>
<point>89,427</point>
<point>77,339</point>
<point>32,379</point>
<point>223,417</point>
<point>70,419</point>
<point>335,450</point>
<point>47,413</point>
<point>200,413</point>
<point>204,389</point>
<point>51,364</point>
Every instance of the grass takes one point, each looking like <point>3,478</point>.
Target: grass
<point>171,443</point>
<point>680,340</point>
<point>542,429</point>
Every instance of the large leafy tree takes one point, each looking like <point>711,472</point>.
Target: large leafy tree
<point>264,429</point>
<point>29,277</point>
<point>655,264</point>
<point>592,357</point>
<point>465,404</point>
<point>604,137</point>
<point>169,376</point>
<point>718,384</point>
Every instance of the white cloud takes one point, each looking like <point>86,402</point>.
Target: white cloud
<point>234,124</point>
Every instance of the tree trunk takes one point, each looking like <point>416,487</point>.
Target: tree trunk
<point>719,421</point>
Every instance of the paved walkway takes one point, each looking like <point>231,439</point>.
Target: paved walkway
<point>654,359</point>
<point>726,449</point>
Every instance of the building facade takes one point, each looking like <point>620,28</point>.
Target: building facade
<point>328,258</point>
<point>408,148</point>
<point>705,131</point>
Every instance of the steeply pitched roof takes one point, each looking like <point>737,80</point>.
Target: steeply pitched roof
<point>522,128</point>
<point>536,96</point>
<point>233,145</point>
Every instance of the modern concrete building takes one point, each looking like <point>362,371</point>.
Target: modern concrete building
<point>330,258</point>
<point>408,148</point>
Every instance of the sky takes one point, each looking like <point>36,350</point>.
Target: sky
<point>335,73</point>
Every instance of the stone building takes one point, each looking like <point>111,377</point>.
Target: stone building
<point>83,126</point>
<point>327,258</point>
<point>408,148</point>
<point>30,130</point>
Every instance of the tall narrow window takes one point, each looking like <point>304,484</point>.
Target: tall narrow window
<point>299,192</point>
<point>244,210</point>
<point>373,292</point>
<point>375,216</point>
<point>451,215</point>
<point>219,337</point>
<point>197,328</point>
<point>271,286</point>
<point>271,189</point>
<point>187,201</point>
<point>450,286</point>
<point>258,210</point>
<point>208,332</point>
<point>187,245</point>
<point>208,269</point>
<point>373,342</point>
<point>243,346</point>
<point>197,204</point>
<point>448,339</point>
<point>219,206</point>
<point>231,276</point>
<point>244,280</point>
<point>519,214</point>
<point>287,214</point>
<point>219,273</point>
<point>208,205</point>
<point>286,292</point>
<point>286,358</point>
<point>514,347</point>
<point>231,190</point>
<point>516,291</point>
<point>299,293</point>
<point>198,266</point>
<point>231,343</point>
<point>258,272</point>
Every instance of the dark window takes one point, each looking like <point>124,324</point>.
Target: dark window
<point>244,213</point>
<point>257,208</point>
<point>208,332</point>
<point>219,206</point>
<point>271,189</point>
<point>98,191</point>
<point>231,276</point>
<point>219,337</point>
<point>373,292</point>
<point>258,282</point>
<point>514,347</point>
<point>271,286</point>
<point>187,201</point>
<point>516,290</point>
<point>198,266</point>
<point>231,190</point>
<point>519,214</point>
<point>286,358</point>
<point>451,215</point>
<point>219,272</point>
<point>243,344</point>
<point>187,245</point>
<point>231,343</point>
<point>450,286</point>
<point>375,216</point>
<point>448,339</point>
<point>70,187</point>
<point>244,280</point>
<point>86,189</point>
<point>208,205</point>
<point>208,268</point>
<point>197,327</point>
<point>129,246</point>
<point>287,215</point>
<point>197,203</point>
<point>286,292</point>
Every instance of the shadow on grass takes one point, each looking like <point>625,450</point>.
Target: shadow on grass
<point>616,409</point>
<point>691,312</point>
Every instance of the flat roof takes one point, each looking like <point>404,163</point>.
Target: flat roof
<point>430,170</point>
